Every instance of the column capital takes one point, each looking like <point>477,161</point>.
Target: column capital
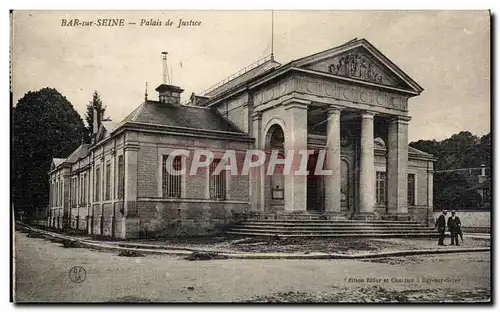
<point>334,109</point>
<point>367,114</point>
<point>257,115</point>
<point>400,119</point>
<point>296,103</point>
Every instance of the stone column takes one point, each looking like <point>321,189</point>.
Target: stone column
<point>367,168</point>
<point>295,140</point>
<point>129,221</point>
<point>397,166</point>
<point>332,162</point>
<point>257,179</point>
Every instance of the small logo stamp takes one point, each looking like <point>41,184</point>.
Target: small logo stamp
<point>77,274</point>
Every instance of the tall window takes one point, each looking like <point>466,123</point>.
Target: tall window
<point>61,190</point>
<point>108,181</point>
<point>73,191</point>
<point>121,177</point>
<point>97,184</point>
<point>380,189</point>
<point>171,184</point>
<point>217,182</point>
<point>82,189</point>
<point>87,188</point>
<point>411,189</point>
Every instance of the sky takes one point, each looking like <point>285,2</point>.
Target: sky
<point>446,52</point>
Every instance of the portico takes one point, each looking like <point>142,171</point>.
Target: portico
<point>355,95</point>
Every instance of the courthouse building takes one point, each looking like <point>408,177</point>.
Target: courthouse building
<point>350,100</point>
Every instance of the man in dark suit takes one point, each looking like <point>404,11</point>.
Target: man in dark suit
<point>454,225</point>
<point>441,227</point>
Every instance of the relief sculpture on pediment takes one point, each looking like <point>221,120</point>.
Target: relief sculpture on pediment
<point>356,66</point>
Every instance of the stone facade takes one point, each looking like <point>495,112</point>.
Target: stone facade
<point>349,101</point>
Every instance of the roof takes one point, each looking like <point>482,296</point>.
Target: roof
<point>58,161</point>
<point>246,76</point>
<point>110,126</point>
<point>185,116</point>
<point>411,150</point>
<point>80,152</point>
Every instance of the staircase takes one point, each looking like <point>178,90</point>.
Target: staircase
<point>314,226</point>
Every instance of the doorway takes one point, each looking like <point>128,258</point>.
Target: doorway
<point>315,198</point>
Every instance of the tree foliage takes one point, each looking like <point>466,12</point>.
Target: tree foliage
<point>455,189</point>
<point>95,103</point>
<point>45,125</point>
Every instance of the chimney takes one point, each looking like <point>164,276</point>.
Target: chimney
<point>95,122</point>
<point>169,94</point>
<point>197,100</point>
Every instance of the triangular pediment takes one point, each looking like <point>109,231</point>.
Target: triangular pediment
<point>360,60</point>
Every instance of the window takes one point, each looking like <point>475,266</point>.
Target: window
<point>82,189</point>
<point>97,196</point>
<point>73,191</point>
<point>87,188</point>
<point>380,189</point>
<point>56,194</point>
<point>121,177</point>
<point>411,189</point>
<point>61,189</point>
<point>217,182</point>
<point>171,184</point>
<point>108,182</point>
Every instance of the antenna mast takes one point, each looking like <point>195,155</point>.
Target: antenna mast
<point>272,34</point>
<point>166,78</point>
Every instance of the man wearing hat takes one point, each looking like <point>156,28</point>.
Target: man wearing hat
<point>454,225</point>
<point>441,227</point>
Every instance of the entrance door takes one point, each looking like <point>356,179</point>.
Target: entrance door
<point>345,187</point>
<point>314,186</point>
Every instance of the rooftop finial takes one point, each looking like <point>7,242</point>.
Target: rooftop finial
<point>146,92</point>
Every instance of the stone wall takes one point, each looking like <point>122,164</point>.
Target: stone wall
<point>187,218</point>
<point>472,221</point>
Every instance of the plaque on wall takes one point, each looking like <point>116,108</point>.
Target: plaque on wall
<point>278,193</point>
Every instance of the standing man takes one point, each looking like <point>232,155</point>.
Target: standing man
<point>441,227</point>
<point>454,225</point>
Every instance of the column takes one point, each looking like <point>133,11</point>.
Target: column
<point>367,170</point>
<point>257,178</point>
<point>397,165</point>
<point>295,140</point>
<point>332,162</point>
<point>130,224</point>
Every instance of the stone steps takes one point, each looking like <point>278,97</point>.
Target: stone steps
<point>339,235</point>
<point>329,224</point>
<point>329,228</point>
<point>332,228</point>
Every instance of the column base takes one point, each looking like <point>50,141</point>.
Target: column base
<point>397,216</point>
<point>365,216</point>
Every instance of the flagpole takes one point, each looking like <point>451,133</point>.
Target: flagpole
<point>272,34</point>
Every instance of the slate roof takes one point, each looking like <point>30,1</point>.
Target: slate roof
<point>80,152</point>
<point>154,112</point>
